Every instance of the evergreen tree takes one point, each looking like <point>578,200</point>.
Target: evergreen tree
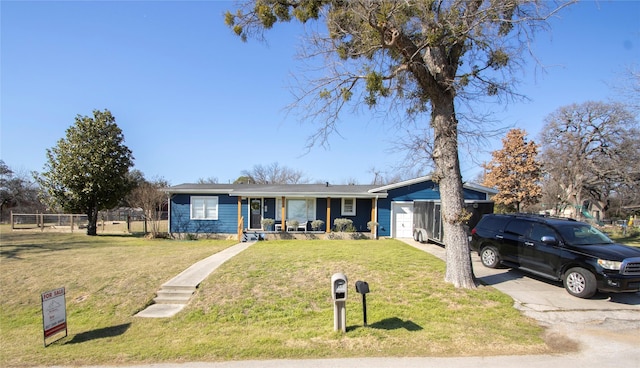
<point>88,170</point>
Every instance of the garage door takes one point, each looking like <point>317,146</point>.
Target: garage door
<point>403,220</point>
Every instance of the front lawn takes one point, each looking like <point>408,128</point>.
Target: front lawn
<point>271,301</point>
<point>629,237</point>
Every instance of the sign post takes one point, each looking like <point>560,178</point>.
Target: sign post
<point>54,313</point>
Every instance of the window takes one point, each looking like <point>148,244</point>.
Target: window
<point>518,227</point>
<point>348,206</point>
<point>539,230</point>
<point>204,208</point>
<point>301,209</point>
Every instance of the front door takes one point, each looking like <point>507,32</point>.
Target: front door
<point>255,213</point>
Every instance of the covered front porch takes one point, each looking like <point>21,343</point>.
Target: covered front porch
<point>304,216</point>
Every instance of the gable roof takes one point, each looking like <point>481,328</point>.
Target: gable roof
<point>307,190</point>
<point>278,190</point>
<point>472,186</point>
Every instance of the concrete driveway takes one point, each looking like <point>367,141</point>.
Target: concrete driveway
<point>533,294</point>
<point>606,326</point>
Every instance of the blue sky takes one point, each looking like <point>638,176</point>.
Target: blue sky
<point>193,101</point>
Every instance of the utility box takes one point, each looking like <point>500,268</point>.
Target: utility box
<point>339,287</point>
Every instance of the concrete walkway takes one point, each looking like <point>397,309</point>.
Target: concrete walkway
<point>176,293</point>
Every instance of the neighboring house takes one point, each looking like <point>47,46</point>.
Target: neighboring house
<point>232,209</point>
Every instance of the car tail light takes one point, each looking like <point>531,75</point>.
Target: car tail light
<point>473,231</point>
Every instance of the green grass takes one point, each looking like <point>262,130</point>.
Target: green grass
<point>631,237</point>
<point>271,301</point>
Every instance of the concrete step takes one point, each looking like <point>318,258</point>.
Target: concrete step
<point>251,236</point>
<point>163,299</point>
<point>169,300</point>
<point>174,295</point>
<point>178,288</point>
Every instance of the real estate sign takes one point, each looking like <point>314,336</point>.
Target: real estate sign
<point>54,313</point>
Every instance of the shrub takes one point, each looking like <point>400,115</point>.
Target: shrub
<point>371,225</point>
<point>267,223</point>
<point>343,224</point>
<point>317,224</point>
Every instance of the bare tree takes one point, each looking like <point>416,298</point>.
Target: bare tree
<point>209,180</point>
<point>150,196</point>
<point>405,60</point>
<point>592,151</point>
<point>17,192</point>
<point>274,174</point>
<point>628,88</point>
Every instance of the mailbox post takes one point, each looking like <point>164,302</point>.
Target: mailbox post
<point>339,296</point>
<point>362,287</point>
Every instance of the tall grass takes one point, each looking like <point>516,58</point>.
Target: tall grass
<point>271,301</point>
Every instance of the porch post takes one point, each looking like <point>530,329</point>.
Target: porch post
<point>328,227</point>
<point>240,221</point>
<point>282,216</point>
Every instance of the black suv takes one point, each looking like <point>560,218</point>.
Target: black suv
<point>573,252</point>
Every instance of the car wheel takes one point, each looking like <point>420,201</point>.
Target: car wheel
<point>580,282</point>
<point>420,237</point>
<point>490,257</point>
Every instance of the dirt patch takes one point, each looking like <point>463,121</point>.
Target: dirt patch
<point>559,342</point>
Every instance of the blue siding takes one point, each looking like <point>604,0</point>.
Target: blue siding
<point>425,190</point>
<point>470,194</point>
<point>384,217</point>
<point>245,213</point>
<point>360,220</point>
<point>227,222</point>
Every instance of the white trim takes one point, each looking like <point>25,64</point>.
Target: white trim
<point>343,212</point>
<point>472,186</point>
<point>481,188</point>
<point>401,184</point>
<point>249,199</point>
<point>209,208</point>
<point>313,208</point>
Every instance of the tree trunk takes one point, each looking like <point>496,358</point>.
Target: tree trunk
<point>92,217</point>
<point>449,178</point>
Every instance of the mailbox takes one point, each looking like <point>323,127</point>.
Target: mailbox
<point>339,287</point>
<point>362,287</point>
<point>339,296</point>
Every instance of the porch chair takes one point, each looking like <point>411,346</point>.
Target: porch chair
<point>303,226</point>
